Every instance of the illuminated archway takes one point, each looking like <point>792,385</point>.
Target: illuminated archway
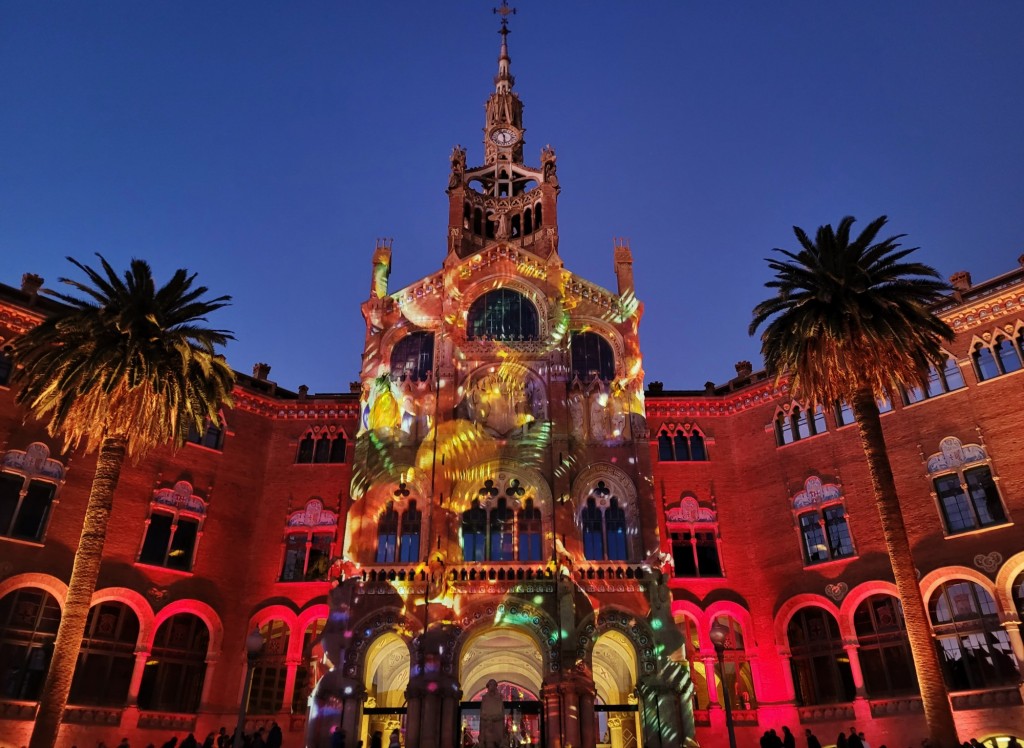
<point>514,660</point>
<point>386,678</point>
<point>615,674</point>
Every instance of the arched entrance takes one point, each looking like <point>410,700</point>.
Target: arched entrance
<point>386,677</point>
<point>513,659</point>
<point>614,667</point>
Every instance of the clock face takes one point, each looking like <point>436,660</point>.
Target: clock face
<point>504,136</point>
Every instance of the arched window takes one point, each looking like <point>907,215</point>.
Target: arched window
<point>176,517</point>
<point>29,481</point>
<point>212,436</point>
<point>530,532</point>
<point>29,618</point>
<point>306,672</point>
<point>939,381</point>
<point>1006,354</point>
<point>321,446</point>
<point>474,532</point>
<point>107,659</point>
<point>604,526</point>
<point>266,694</point>
<point>413,357</point>
<point>409,541</point>
<point>681,444</point>
<point>528,222</point>
<point>1018,594</point>
<point>985,365</point>
<point>174,674</point>
<point>503,315</point>
<point>693,530</point>
<point>538,214</point>
<point>592,356</point>
<point>308,539</point>
<point>799,423</point>
<point>689,655</point>
<point>738,676</point>
<point>821,669</point>
<point>974,649</point>
<point>821,516</point>
<point>387,535</point>
<point>501,531</point>
<point>884,651</point>
<point>478,222</point>
<point>964,486</point>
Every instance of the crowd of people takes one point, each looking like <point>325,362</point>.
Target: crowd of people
<point>262,737</point>
<point>854,739</point>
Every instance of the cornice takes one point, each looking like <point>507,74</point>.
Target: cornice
<point>18,320</point>
<point>667,406</point>
<point>304,410</point>
<point>985,311</point>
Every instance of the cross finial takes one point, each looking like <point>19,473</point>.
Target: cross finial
<point>504,11</point>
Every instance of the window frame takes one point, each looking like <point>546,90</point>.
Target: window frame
<point>311,522</point>
<point>813,509</point>
<point>956,464</point>
<point>33,466</point>
<point>177,503</point>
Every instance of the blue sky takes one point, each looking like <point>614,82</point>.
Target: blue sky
<point>265,145</point>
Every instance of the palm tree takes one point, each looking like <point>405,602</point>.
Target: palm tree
<point>123,369</point>
<point>851,320</point>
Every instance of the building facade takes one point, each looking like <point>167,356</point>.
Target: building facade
<point>500,498</point>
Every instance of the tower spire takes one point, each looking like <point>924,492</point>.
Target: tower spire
<point>504,80</point>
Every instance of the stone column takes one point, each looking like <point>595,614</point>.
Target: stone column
<point>711,680</point>
<point>141,657</point>
<point>414,702</point>
<point>666,721</point>
<point>858,674</point>
<point>352,710</point>
<point>588,721</point>
<point>204,698</point>
<point>571,707</point>
<point>292,666</point>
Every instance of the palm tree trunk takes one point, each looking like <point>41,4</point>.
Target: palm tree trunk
<point>934,697</point>
<point>80,589</point>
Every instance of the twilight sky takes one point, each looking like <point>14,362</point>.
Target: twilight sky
<point>265,145</point>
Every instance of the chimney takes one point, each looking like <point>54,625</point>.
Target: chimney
<point>743,369</point>
<point>261,371</point>
<point>709,388</point>
<point>303,391</point>
<point>960,281</point>
<point>355,387</point>
<point>30,285</point>
<point>655,388</point>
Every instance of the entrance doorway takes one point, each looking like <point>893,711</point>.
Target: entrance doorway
<point>512,659</point>
<point>387,678</point>
<point>614,664</point>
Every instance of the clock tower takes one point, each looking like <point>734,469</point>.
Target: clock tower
<point>504,200</point>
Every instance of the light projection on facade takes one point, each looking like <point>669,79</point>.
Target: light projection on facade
<point>502,525</point>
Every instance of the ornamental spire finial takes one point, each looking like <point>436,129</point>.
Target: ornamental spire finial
<point>503,81</point>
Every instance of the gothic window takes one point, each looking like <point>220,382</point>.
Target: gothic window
<point>738,675</point>
<point>974,649</point>
<point>821,668</point>
<point>387,535</point>
<point>107,659</point>
<point>694,533</point>
<point>309,536</point>
<point>266,694</point>
<point>29,481</point>
<point>592,356</point>
<point>528,221</point>
<point>503,315</point>
<point>212,436</point>
<point>530,532</point>
<point>478,222</point>
<point>821,517</point>
<point>305,673</point>
<point>174,674</point>
<point>173,529</point>
<point>603,522</point>
<point>964,487</point>
<point>501,531</point>
<point>938,382</point>
<point>798,422</point>
<point>6,366</point>
<point>681,444</point>
<point>29,618</point>
<point>321,446</point>
<point>474,532</point>
<point>409,541</point>
<point>884,649</point>
<point>413,357</point>
<point>538,215</point>
<point>1001,357</point>
<point>844,413</point>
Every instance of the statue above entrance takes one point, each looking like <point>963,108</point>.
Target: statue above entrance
<point>492,717</point>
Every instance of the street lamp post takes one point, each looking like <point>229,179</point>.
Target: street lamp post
<point>719,632</point>
<point>253,646</point>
